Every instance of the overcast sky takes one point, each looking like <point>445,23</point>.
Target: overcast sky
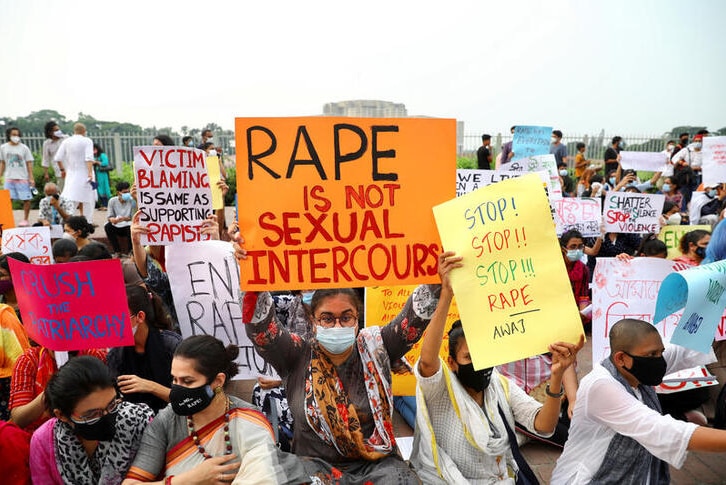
<point>631,66</point>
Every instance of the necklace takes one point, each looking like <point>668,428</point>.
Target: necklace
<point>195,437</point>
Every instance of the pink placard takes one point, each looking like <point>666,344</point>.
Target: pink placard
<point>73,306</point>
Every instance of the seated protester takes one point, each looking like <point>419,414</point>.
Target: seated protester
<point>95,251</point>
<point>670,215</point>
<point>341,368</point>
<point>31,374</point>
<point>7,289</point>
<point>15,450</point>
<point>693,247</point>
<point>63,250</point>
<point>573,249</point>
<point>120,211</point>
<point>568,184</point>
<point>596,188</point>
<point>652,247</point>
<point>618,434</point>
<point>143,371</point>
<point>94,435</point>
<point>77,229</point>
<point>54,209</point>
<point>610,245</point>
<point>670,190</point>
<point>464,429</point>
<point>206,435</point>
<point>711,210</point>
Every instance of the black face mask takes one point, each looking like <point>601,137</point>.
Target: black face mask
<point>648,370</point>
<point>102,430</point>
<point>700,252</point>
<point>186,401</point>
<point>477,380</point>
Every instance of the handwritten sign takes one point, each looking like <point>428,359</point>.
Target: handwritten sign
<point>173,193</point>
<point>204,280</point>
<point>215,175</point>
<point>701,291</point>
<point>650,161</point>
<point>529,141</point>
<point>514,294</point>
<point>538,163</point>
<point>73,306</point>
<point>671,235</point>
<point>631,212</point>
<point>686,380</point>
<point>383,304</point>
<point>580,213</point>
<point>340,202</point>
<point>34,242</point>
<point>7,219</point>
<point>714,160</point>
<point>468,180</point>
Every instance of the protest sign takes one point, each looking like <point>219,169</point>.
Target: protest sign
<point>671,235</point>
<point>529,141</point>
<point>513,294</point>
<point>468,180</point>
<point>537,163</point>
<point>583,214</point>
<point>631,212</point>
<point>215,175</point>
<point>383,304</point>
<point>73,306</point>
<point>34,242</point>
<point>204,280</point>
<point>650,161</point>
<point>7,219</point>
<point>699,293</point>
<point>56,231</point>
<point>339,202</point>
<point>686,380</point>
<point>174,195</point>
<point>714,160</point>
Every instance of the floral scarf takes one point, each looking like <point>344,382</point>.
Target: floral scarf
<point>333,417</point>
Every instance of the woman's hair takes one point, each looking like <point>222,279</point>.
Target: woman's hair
<point>98,148</point>
<point>95,251</point>
<point>77,379</point>
<point>165,140</point>
<point>321,295</point>
<point>667,206</point>
<point>4,259</point>
<point>456,333</point>
<point>652,246</point>
<point>571,234</point>
<point>691,237</point>
<point>579,145</point>
<point>210,356</point>
<point>48,129</point>
<point>141,300</point>
<point>64,248</point>
<point>80,223</point>
<point>206,145</point>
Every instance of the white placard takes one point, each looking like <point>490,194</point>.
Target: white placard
<point>648,161</point>
<point>538,163</point>
<point>631,212</point>
<point>583,214</point>
<point>714,160</point>
<point>468,180</point>
<point>34,242</point>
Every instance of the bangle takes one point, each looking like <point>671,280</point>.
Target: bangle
<point>551,394</point>
<point>167,480</point>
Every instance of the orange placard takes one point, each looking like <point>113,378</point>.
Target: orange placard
<point>7,220</point>
<point>340,202</point>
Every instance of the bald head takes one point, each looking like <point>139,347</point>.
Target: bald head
<point>629,333</point>
<point>79,129</point>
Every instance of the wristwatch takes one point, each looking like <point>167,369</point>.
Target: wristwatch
<point>552,394</point>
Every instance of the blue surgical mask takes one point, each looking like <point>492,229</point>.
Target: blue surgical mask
<point>563,172</point>
<point>611,180</point>
<point>712,193</point>
<point>336,340</point>
<point>307,297</point>
<point>575,254</point>
<point>666,188</point>
<point>126,197</point>
<point>697,145</point>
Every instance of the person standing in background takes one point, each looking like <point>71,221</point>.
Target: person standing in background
<point>102,166</point>
<point>76,156</point>
<point>483,154</point>
<point>16,164</point>
<point>557,148</point>
<point>53,139</point>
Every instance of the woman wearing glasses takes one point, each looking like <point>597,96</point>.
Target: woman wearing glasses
<point>339,382</point>
<point>94,435</point>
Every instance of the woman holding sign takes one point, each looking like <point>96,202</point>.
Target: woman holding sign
<point>465,421</point>
<point>339,382</point>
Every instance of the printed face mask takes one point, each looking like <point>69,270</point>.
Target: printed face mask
<point>477,380</point>
<point>186,401</point>
<point>648,370</point>
<point>102,430</point>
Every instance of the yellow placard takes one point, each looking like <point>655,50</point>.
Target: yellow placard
<point>7,220</point>
<point>514,294</point>
<point>383,303</point>
<point>671,236</point>
<point>339,202</point>
<point>215,175</point>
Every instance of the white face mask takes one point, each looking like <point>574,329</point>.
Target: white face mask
<point>674,220</point>
<point>209,139</point>
<point>212,153</point>
<point>69,236</point>
<point>15,139</point>
<point>58,133</point>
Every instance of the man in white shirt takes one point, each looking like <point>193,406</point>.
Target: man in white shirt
<point>75,155</point>
<point>618,434</point>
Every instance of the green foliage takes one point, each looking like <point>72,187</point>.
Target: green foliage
<point>466,162</point>
<point>232,183</point>
<point>126,175</point>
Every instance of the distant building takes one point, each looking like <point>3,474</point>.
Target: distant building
<point>366,108</point>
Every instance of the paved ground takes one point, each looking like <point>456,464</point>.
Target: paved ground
<point>699,469</point>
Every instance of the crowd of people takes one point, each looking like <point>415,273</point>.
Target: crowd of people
<point>161,411</point>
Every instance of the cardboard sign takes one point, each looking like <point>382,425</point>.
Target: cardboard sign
<point>34,242</point>
<point>468,180</point>
<point>204,280</point>
<point>529,141</point>
<point>650,161</point>
<point>686,380</point>
<point>671,236</point>
<point>340,202</point>
<point>538,163</point>
<point>73,306</point>
<point>714,160</point>
<point>215,176</point>
<point>383,304</point>
<point>174,193</point>
<point>7,219</point>
<point>701,290</point>
<point>583,214</point>
<point>514,294</point>
<point>631,212</point>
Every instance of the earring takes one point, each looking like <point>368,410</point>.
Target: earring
<point>218,389</point>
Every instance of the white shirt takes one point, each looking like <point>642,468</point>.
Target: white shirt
<point>690,156</point>
<point>50,148</point>
<point>74,152</point>
<point>604,407</point>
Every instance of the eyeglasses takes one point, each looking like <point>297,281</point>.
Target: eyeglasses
<point>328,320</point>
<point>94,415</point>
